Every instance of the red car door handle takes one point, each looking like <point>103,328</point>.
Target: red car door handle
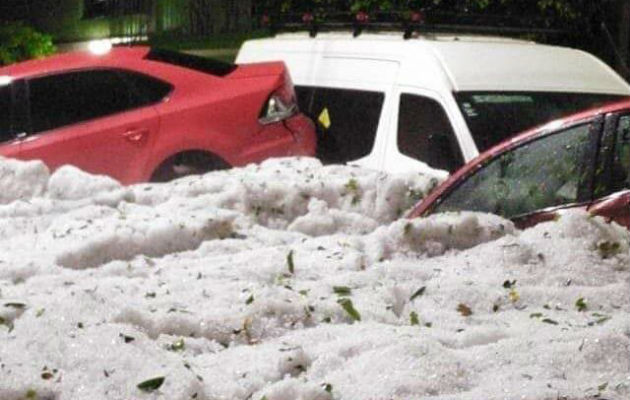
<point>136,136</point>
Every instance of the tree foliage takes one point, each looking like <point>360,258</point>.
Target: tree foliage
<point>552,11</point>
<point>20,42</point>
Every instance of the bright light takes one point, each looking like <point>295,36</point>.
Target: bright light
<point>5,80</point>
<point>100,47</point>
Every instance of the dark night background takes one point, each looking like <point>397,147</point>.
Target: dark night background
<point>600,27</point>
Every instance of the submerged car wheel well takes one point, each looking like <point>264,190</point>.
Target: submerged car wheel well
<point>189,162</point>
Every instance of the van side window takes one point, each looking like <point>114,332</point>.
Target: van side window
<point>425,133</point>
<point>5,116</point>
<point>347,121</point>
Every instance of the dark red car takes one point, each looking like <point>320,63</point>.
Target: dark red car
<point>579,161</point>
<point>139,114</point>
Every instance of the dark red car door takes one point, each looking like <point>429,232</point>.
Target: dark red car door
<point>611,197</point>
<point>614,208</point>
<point>90,119</point>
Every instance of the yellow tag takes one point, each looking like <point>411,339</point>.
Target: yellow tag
<point>324,118</point>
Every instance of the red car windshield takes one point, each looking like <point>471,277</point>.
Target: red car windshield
<point>495,116</point>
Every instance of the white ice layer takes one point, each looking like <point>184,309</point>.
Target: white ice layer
<point>291,280</point>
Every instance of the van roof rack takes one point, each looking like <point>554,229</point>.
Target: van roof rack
<point>409,22</point>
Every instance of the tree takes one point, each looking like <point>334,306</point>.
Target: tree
<point>20,42</point>
<point>601,27</point>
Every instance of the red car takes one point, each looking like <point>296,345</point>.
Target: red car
<point>139,114</point>
<point>579,161</point>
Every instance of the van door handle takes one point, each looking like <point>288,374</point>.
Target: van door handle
<point>136,136</point>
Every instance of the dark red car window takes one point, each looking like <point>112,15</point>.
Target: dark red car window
<point>546,172</point>
<point>620,174</point>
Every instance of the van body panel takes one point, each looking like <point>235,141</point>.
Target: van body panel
<point>438,67</point>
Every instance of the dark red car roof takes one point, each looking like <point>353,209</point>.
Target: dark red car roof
<point>428,203</point>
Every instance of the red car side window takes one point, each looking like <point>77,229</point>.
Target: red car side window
<point>5,115</point>
<point>546,172</point>
<point>69,98</point>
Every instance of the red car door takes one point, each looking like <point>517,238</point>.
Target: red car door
<point>90,119</point>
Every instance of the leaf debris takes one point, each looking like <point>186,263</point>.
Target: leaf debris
<point>151,385</point>
<point>348,307</point>
<point>342,290</point>
<point>581,305</point>
<point>464,310</point>
<point>413,318</point>
<point>418,293</point>
<point>290,263</point>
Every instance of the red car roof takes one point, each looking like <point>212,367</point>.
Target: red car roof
<point>428,203</point>
<point>74,60</point>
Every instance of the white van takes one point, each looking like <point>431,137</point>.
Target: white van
<point>384,102</point>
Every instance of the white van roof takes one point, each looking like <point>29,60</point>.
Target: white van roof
<point>471,63</point>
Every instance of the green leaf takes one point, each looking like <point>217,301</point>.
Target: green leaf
<point>408,227</point>
<point>342,290</point>
<point>581,304</point>
<point>250,299</point>
<point>418,293</point>
<point>328,387</point>
<point>608,249</point>
<point>600,321</point>
<point>31,394</point>
<point>348,307</point>
<point>290,262</point>
<point>550,321</point>
<point>352,186</point>
<point>178,345</point>
<point>536,315</point>
<point>151,385</point>
<point>413,318</point>
<point>602,387</point>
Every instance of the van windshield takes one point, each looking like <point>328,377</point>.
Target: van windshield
<point>495,116</point>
